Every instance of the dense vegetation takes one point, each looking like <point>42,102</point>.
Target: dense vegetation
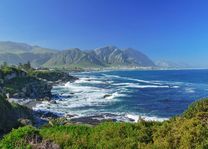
<point>186,132</point>
<point>6,70</point>
<point>52,75</point>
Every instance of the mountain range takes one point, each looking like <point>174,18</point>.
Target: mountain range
<point>169,64</point>
<point>109,56</point>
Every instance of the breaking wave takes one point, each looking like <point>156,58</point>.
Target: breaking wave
<point>104,96</point>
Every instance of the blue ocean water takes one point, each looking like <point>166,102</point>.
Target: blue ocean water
<point>153,95</point>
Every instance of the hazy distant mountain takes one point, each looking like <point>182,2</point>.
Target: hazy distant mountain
<point>14,47</point>
<point>169,64</point>
<point>109,56</point>
<point>15,53</point>
<point>135,57</point>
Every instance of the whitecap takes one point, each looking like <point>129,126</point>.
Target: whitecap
<point>112,76</point>
<point>190,90</point>
<point>175,86</point>
<point>146,118</point>
<point>136,85</point>
<point>115,95</point>
<point>77,97</point>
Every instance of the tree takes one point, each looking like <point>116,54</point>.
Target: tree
<point>5,64</point>
<point>20,66</point>
<point>26,66</point>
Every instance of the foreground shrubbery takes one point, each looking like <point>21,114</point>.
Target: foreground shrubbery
<point>18,138</point>
<point>186,132</point>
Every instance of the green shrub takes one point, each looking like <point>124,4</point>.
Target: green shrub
<point>46,74</point>
<point>5,70</point>
<point>194,108</point>
<point>17,139</point>
<point>121,135</point>
<point>105,135</point>
<point>72,136</point>
<point>182,133</point>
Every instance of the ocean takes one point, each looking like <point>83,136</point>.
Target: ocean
<point>129,95</point>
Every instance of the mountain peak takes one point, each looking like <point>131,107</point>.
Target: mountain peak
<point>108,56</point>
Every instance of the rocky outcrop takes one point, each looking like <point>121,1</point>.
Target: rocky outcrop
<point>36,84</point>
<point>14,75</point>
<point>54,77</point>
<point>11,114</point>
<point>36,90</point>
<point>8,73</point>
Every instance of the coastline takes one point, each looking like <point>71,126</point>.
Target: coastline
<point>96,118</point>
<point>93,119</point>
<point>107,69</point>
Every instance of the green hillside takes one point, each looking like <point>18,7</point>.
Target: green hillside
<point>188,131</point>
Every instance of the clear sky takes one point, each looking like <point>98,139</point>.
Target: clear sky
<point>175,30</point>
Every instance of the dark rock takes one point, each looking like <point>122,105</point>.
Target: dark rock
<point>67,96</point>
<point>25,122</point>
<point>107,95</point>
<point>37,142</point>
<point>53,102</point>
<point>86,120</point>
<point>70,116</point>
<point>49,115</point>
<point>45,145</point>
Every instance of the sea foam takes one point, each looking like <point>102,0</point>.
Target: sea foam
<point>92,95</point>
<point>136,118</point>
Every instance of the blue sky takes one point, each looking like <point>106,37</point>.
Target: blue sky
<point>175,30</point>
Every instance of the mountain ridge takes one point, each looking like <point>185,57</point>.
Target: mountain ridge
<point>170,64</point>
<point>108,56</point>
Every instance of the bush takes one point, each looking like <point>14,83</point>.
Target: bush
<point>18,138</point>
<point>5,70</point>
<point>196,107</point>
<point>121,135</point>
<point>73,136</point>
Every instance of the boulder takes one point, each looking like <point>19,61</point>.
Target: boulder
<point>25,122</point>
<point>107,95</point>
<point>53,102</point>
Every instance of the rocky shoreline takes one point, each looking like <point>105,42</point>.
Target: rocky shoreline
<point>31,87</point>
<point>34,87</point>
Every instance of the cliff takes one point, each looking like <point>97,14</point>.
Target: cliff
<point>35,84</point>
<point>11,115</point>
